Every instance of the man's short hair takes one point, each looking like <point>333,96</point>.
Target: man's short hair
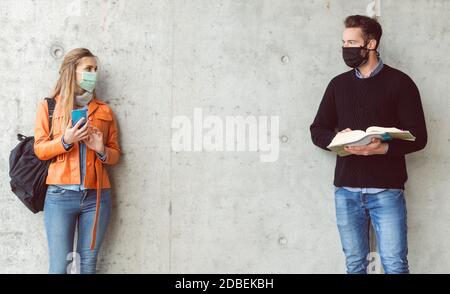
<point>370,27</point>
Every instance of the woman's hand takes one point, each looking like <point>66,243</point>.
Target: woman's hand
<point>95,140</point>
<point>73,134</point>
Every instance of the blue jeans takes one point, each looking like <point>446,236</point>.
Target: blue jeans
<point>387,212</point>
<point>63,209</point>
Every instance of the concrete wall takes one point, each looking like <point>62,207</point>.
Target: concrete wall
<point>221,212</point>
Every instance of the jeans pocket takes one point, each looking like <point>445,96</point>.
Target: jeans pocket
<point>395,192</point>
<point>391,197</point>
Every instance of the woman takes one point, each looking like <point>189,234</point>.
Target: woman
<point>78,193</point>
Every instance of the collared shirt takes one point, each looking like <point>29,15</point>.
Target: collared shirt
<point>373,73</point>
<point>82,149</point>
<point>359,75</point>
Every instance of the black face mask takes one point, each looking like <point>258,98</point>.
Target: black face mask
<point>354,56</point>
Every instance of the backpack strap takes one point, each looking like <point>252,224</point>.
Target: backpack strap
<point>21,137</point>
<point>51,107</point>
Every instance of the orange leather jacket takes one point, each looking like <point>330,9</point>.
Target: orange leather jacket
<point>65,166</point>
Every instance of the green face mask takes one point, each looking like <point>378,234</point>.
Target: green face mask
<point>88,81</point>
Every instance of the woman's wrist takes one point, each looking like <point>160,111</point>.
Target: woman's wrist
<point>65,144</point>
<point>101,150</point>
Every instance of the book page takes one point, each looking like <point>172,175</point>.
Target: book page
<point>375,129</point>
<point>347,137</point>
<point>393,132</point>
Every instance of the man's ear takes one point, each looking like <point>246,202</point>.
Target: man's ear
<point>372,44</point>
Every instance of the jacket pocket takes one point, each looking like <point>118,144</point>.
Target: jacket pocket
<point>103,122</point>
<point>103,116</point>
<point>60,157</point>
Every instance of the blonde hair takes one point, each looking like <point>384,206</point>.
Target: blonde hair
<point>66,84</point>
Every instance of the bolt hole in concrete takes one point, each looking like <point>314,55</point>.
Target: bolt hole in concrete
<point>284,139</point>
<point>282,241</point>
<point>57,51</point>
<point>285,59</point>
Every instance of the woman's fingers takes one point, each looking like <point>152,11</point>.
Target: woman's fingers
<point>79,122</point>
<point>87,133</point>
<point>96,130</point>
<point>85,127</point>
<point>81,135</point>
<point>97,133</point>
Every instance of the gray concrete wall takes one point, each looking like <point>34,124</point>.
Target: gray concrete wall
<point>221,212</point>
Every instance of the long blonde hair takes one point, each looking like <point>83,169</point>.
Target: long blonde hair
<point>66,84</point>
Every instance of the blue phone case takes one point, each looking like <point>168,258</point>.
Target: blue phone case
<point>77,114</point>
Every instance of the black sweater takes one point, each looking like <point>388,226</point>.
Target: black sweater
<point>388,99</point>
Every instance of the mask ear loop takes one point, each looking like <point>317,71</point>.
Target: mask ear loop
<point>365,47</point>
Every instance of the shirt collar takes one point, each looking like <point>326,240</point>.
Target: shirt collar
<point>373,73</point>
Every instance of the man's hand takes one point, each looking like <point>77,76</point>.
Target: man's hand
<point>346,130</point>
<point>375,147</point>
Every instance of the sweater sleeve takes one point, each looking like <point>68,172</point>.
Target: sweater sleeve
<point>410,117</point>
<point>323,127</point>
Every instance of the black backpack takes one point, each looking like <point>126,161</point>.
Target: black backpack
<point>27,172</point>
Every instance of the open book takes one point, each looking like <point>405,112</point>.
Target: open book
<point>359,137</point>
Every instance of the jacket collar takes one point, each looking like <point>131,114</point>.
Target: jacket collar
<point>92,106</point>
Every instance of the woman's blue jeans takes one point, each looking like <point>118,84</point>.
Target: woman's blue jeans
<point>63,210</point>
<point>387,212</point>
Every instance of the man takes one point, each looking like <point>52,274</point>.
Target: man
<point>369,183</point>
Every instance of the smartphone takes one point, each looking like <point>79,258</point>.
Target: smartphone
<point>77,114</point>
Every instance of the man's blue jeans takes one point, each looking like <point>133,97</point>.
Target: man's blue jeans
<point>387,212</point>
<point>62,210</point>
